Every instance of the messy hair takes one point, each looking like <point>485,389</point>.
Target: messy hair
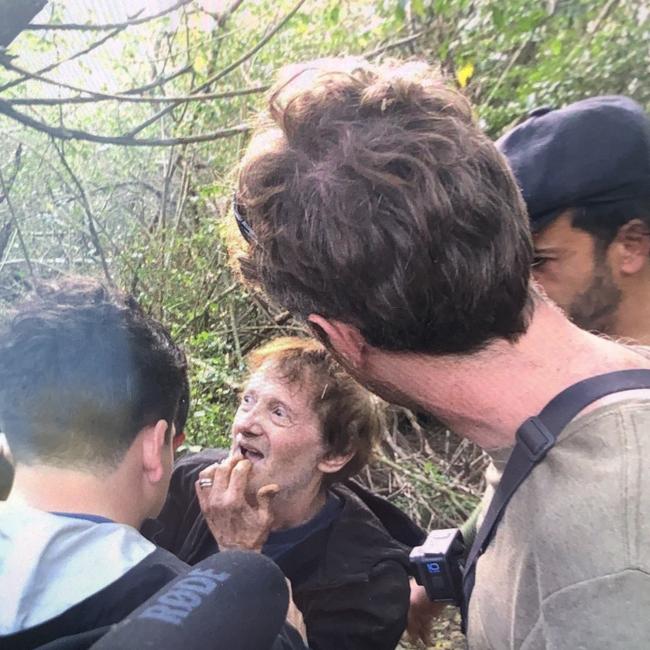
<point>375,200</point>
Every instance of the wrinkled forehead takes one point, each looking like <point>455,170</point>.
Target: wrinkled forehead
<point>290,384</point>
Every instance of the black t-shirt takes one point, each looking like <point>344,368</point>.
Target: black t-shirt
<point>280,542</point>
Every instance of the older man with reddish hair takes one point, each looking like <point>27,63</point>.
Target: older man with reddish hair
<point>303,426</point>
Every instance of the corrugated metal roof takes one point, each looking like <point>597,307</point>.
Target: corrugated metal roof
<point>100,11</point>
<point>96,71</point>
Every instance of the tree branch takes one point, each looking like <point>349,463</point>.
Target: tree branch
<point>56,64</point>
<point>56,101</point>
<point>225,71</point>
<point>62,133</point>
<point>93,93</point>
<point>107,26</point>
<point>221,19</point>
<point>18,157</point>
<point>89,214</point>
<point>407,40</point>
<point>9,228</point>
<point>157,83</point>
<point>14,218</point>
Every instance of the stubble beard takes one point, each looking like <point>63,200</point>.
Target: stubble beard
<point>595,308</point>
<point>290,481</point>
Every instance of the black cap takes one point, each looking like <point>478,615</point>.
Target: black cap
<point>592,152</point>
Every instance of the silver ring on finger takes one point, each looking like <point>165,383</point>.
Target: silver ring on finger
<point>205,483</point>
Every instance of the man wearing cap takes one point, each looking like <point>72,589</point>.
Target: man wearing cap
<point>584,171</point>
<point>376,210</point>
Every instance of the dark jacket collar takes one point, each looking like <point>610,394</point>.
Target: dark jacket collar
<point>343,552</point>
<point>346,551</point>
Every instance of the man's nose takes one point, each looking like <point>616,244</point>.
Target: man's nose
<point>250,423</point>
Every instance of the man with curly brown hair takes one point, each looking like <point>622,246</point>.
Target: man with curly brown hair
<point>375,209</point>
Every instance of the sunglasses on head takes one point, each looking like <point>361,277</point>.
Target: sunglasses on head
<point>244,227</point>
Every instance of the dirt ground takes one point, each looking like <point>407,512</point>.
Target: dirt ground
<point>446,634</point>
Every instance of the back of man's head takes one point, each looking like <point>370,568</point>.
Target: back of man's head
<point>591,157</point>
<point>372,198</point>
<point>82,371</point>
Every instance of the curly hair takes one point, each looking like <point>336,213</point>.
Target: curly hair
<point>352,419</point>
<point>82,370</point>
<point>375,200</point>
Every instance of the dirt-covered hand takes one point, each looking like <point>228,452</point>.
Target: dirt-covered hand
<point>422,614</point>
<point>235,520</point>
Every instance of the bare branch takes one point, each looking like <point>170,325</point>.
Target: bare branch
<point>56,101</point>
<point>225,71</point>
<point>62,133</point>
<point>107,26</point>
<point>7,231</point>
<point>16,223</point>
<point>154,84</point>
<point>142,184</point>
<point>83,198</point>
<point>18,157</point>
<point>222,17</point>
<point>399,43</point>
<point>56,64</point>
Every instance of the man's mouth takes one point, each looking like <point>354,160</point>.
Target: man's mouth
<point>250,453</point>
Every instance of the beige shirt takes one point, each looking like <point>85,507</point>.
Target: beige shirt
<point>569,566</point>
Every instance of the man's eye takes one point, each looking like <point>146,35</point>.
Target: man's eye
<point>247,399</point>
<point>538,262</point>
<point>280,414</point>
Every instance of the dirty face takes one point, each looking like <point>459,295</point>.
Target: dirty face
<point>278,430</point>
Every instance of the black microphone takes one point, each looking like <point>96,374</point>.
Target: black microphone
<point>231,600</point>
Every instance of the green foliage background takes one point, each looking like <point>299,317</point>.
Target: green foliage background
<point>152,219</point>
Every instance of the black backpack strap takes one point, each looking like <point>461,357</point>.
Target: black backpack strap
<point>533,440</point>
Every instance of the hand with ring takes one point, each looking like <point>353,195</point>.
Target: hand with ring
<point>235,521</point>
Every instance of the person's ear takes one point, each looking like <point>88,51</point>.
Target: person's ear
<point>178,440</point>
<point>633,239</point>
<point>331,464</point>
<point>154,448</point>
<point>345,340</point>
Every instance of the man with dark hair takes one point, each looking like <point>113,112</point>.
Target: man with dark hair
<point>375,209</point>
<point>89,389</point>
<point>584,171</point>
<point>92,391</point>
